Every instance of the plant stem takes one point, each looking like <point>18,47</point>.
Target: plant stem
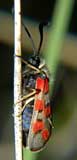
<point>17,81</point>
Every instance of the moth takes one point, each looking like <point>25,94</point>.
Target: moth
<point>36,110</point>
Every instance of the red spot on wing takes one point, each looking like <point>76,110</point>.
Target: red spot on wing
<point>37,126</point>
<point>39,105</point>
<point>45,134</point>
<point>47,111</point>
<point>46,87</point>
<point>39,83</point>
<point>42,84</point>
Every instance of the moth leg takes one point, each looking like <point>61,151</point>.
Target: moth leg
<point>51,123</point>
<point>26,102</point>
<point>42,64</point>
<point>26,96</point>
<point>37,70</point>
<point>29,65</point>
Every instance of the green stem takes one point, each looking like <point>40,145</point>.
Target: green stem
<point>60,22</point>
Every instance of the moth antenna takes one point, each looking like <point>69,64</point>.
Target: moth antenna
<point>41,25</point>
<point>30,37</point>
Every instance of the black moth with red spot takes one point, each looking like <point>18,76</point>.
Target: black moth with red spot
<point>37,114</point>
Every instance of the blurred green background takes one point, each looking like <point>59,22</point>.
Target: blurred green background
<point>63,142</point>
